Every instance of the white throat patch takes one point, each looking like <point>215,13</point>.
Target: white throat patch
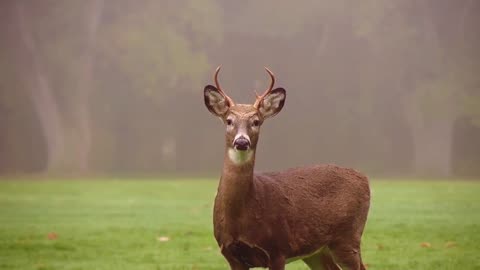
<point>239,157</point>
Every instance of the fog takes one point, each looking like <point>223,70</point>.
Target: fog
<point>115,87</point>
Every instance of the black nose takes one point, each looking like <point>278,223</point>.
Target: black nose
<point>241,144</point>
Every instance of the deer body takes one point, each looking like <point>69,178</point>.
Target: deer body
<point>314,213</point>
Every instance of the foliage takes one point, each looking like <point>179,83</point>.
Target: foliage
<point>367,79</point>
<point>157,44</point>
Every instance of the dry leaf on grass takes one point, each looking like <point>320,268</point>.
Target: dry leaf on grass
<point>163,239</point>
<point>52,236</point>
<point>450,244</point>
<point>426,245</point>
<point>40,266</point>
<point>380,246</point>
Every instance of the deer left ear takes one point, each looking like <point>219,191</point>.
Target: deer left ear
<point>215,102</point>
<point>272,103</point>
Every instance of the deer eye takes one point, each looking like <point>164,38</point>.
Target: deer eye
<point>256,123</point>
<point>229,122</point>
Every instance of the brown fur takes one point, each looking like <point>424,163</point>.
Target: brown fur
<point>317,213</point>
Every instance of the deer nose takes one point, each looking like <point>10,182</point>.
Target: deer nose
<point>241,143</point>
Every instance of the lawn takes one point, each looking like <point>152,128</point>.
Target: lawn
<point>147,224</point>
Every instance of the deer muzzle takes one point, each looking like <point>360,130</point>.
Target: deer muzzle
<point>241,143</point>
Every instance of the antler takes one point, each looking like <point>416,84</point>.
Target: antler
<point>269,89</point>
<point>217,84</point>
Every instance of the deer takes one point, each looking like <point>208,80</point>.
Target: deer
<point>314,213</point>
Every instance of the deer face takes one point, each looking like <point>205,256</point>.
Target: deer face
<point>243,121</point>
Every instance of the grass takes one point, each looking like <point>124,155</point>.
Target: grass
<point>109,224</point>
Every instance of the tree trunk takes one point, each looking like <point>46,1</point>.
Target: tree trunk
<point>81,108</point>
<point>432,146</point>
<point>42,95</point>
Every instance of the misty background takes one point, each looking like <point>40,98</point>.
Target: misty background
<point>115,87</point>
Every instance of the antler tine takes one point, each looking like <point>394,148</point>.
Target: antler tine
<point>217,84</point>
<point>269,89</point>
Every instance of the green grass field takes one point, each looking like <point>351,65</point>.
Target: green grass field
<point>108,224</point>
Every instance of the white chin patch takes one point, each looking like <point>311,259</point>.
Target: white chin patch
<point>239,157</point>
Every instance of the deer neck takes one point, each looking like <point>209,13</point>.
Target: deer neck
<point>236,182</point>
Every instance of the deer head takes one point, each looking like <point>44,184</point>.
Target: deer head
<point>243,121</point>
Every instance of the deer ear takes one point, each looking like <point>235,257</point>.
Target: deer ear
<point>216,103</point>
<point>272,103</point>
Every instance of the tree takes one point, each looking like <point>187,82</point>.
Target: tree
<point>41,92</point>
<point>435,72</point>
<point>158,48</point>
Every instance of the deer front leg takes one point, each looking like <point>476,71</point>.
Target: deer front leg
<point>277,263</point>
<point>234,265</point>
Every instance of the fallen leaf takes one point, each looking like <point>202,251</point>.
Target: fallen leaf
<point>40,266</point>
<point>380,246</point>
<point>450,244</point>
<point>163,239</point>
<point>426,245</point>
<point>52,236</point>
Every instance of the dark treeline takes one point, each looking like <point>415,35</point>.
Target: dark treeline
<point>116,86</point>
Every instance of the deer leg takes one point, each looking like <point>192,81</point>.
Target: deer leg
<point>234,265</point>
<point>348,256</point>
<point>277,263</point>
<point>362,266</point>
<point>321,261</point>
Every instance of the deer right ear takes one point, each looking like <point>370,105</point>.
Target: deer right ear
<point>272,103</point>
<point>216,103</point>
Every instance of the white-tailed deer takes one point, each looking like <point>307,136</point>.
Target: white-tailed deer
<point>315,213</point>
